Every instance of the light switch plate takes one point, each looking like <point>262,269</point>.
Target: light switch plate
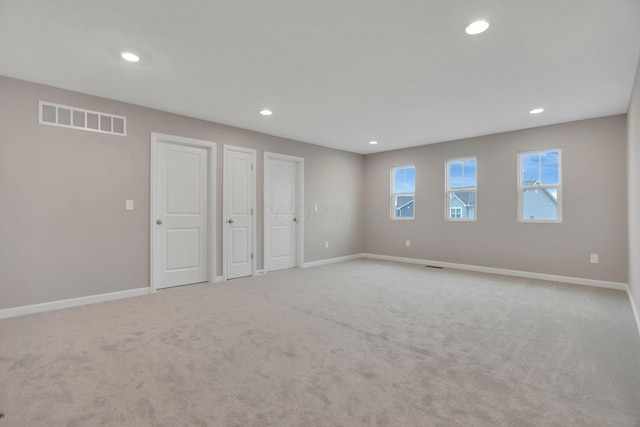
<point>128,205</point>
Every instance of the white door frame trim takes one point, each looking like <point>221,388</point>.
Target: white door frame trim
<point>299,201</point>
<point>211,148</point>
<point>254,244</point>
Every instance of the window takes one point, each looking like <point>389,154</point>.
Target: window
<point>461,181</point>
<point>403,187</point>
<point>539,186</point>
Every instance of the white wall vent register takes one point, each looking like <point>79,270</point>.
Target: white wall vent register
<point>78,118</point>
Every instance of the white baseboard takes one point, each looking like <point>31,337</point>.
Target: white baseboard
<point>331,260</point>
<point>503,272</point>
<point>72,302</point>
<point>529,275</point>
<point>634,309</point>
<point>92,299</point>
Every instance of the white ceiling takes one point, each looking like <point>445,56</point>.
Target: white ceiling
<point>337,73</point>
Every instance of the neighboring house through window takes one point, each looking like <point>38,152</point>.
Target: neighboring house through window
<point>539,186</point>
<point>461,188</point>
<point>403,187</point>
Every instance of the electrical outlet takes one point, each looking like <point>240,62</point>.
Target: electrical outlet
<point>326,243</point>
<point>128,205</point>
<point>594,258</point>
<point>315,208</point>
<point>408,243</point>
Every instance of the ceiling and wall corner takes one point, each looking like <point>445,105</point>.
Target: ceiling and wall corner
<point>337,73</point>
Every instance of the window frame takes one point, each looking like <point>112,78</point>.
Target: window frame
<point>448,190</point>
<point>522,188</point>
<point>392,203</point>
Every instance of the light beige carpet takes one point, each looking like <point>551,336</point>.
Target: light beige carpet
<point>360,343</point>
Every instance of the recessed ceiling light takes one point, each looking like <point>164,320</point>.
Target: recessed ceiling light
<point>477,27</point>
<point>536,111</point>
<point>373,142</point>
<point>266,112</point>
<point>129,56</point>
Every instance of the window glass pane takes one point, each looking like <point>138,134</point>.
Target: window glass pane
<point>405,180</point>
<point>540,168</point>
<point>455,175</point>
<point>463,174</point>
<point>469,173</point>
<point>404,206</point>
<point>531,169</point>
<point>463,204</point>
<point>540,204</point>
<point>549,168</point>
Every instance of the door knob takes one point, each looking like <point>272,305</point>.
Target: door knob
<point>159,221</point>
<point>295,220</point>
<point>230,221</point>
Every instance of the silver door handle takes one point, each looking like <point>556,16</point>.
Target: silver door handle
<point>230,221</point>
<point>295,220</point>
<point>159,221</point>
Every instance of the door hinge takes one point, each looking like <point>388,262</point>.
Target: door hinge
<point>251,166</point>
<point>251,256</point>
<point>251,211</point>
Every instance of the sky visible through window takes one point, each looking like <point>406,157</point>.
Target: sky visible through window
<point>542,167</point>
<point>463,174</point>
<point>405,180</point>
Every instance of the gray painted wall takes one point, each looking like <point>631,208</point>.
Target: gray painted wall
<point>633,130</point>
<point>65,232</point>
<point>594,160</point>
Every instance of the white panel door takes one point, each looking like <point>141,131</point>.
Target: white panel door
<point>280,213</point>
<point>180,230</point>
<point>239,201</point>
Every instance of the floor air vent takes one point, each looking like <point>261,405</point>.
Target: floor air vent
<point>78,118</point>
